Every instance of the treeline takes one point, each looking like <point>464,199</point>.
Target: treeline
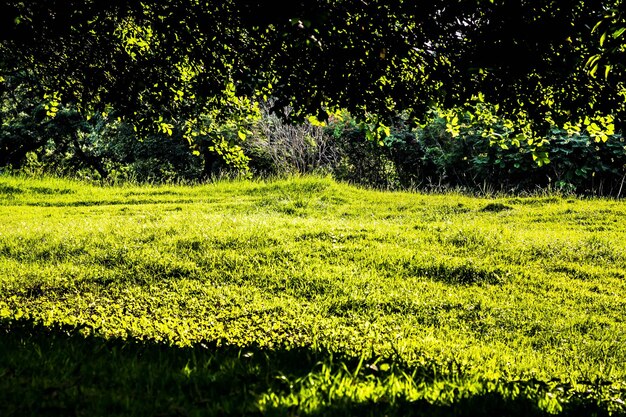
<point>474,94</point>
<point>472,148</point>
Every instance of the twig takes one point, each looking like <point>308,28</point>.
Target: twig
<point>619,192</point>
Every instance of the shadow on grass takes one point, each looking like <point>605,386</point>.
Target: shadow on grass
<point>48,372</point>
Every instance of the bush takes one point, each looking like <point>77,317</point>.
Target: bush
<point>476,149</point>
<point>277,147</point>
<point>471,148</point>
<point>361,159</point>
<point>159,158</point>
<point>584,165</point>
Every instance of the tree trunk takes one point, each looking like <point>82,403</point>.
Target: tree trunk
<point>91,160</point>
<point>211,163</point>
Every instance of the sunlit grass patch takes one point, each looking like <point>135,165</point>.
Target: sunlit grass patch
<point>518,305</point>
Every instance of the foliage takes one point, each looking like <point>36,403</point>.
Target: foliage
<point>42,134</point>
<point>179,58</point>
<point>186,69</point>
<point>155,158</point>
<point>42,131</point>
<point>611,31</point>
<point>475,147</point>
<point>192,71</point>
<point>363,156</point>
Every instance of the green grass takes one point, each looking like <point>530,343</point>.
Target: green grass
<point>307,297</point>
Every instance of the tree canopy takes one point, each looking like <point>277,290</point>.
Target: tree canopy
<point>164,63</point>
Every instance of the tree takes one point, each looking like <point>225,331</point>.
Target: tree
<point>162,64</point>
<point>32,123</point>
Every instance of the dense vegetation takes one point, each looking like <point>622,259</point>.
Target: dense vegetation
<point>177,57</point>
<point>172,90</point>
<point>482,152</point>
<point>307,297</point>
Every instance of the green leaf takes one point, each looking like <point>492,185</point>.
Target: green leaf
<point>597,26</point>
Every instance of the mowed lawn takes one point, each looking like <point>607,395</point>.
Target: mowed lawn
<point>307,297</point>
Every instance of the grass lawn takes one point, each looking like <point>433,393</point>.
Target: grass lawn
<point>306,297</point>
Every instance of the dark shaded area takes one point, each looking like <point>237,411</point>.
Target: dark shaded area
<point>496,207</point>
<point>316,53</point>
<point>48,372</point>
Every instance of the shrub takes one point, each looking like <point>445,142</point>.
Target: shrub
<point>362,159</point>
<point>477,149</point>
<point>581,163</point>
<point>154,158</point>
<point>278,147</point>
